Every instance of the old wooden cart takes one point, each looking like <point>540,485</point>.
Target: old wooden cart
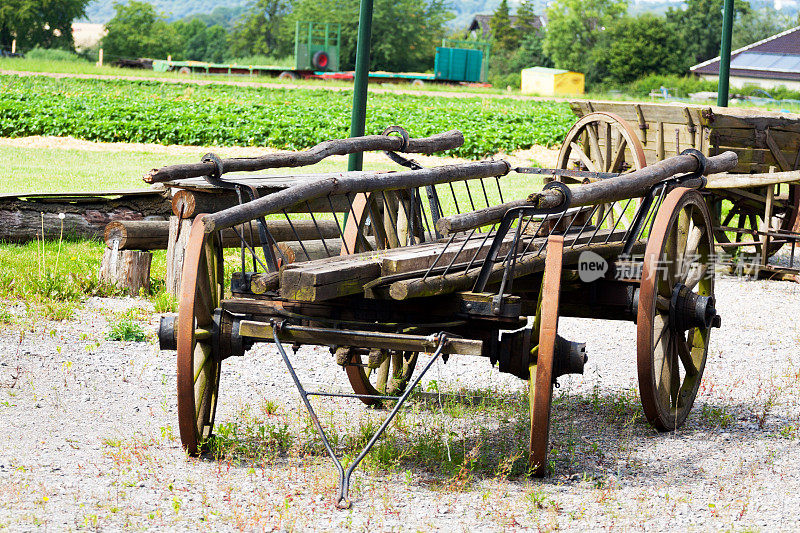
<point>439,261</point>
<point>614,137</point>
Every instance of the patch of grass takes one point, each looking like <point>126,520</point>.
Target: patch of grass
<point>789,431</point>
<point>164,302</point>
<point>250,438</point>
<point>127,330</point>
<point>53,55</point>
<point>716,416</point>
<point>60,169</point>
<point>618,406</point>
<point>51,278</point>
<point>46,65</point>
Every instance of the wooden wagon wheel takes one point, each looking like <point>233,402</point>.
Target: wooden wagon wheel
<point>540,391</point>
<point>602,142</point>
<point>745,215</point>
<point>391,377</point>
<point>198,358</point>
<point>670,355</point>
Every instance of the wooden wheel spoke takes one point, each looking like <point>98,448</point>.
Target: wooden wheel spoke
<point>682,228</point>
<point>203,311</point>
<point>661,325</point>
<point>685,355</point>
<point>584,158</point>
<point>619,156</point>
<point>608,147</point>
<point>693,242</point>
<point>199,393</point>
<point>383,375</point>
<point>663,365</point>
<point>674,373</point>
<point>203,363</point>
<point>696,274</point>
<point>595,147</point>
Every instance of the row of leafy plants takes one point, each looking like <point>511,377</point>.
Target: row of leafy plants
<point>293,119</point>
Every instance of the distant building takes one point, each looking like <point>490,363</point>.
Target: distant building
<point>481,27</point>
<point>768,63</point>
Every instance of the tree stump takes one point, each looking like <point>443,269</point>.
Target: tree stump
<point>179,229</point>
<point>127,269</point>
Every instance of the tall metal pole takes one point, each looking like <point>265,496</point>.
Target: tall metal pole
<point>725,54</point>
<point>358,119</point>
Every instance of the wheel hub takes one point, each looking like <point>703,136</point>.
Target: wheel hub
<point>689,310</point>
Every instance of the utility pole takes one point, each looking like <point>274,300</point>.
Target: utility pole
<point>725,54</point>
<point>358,119</point>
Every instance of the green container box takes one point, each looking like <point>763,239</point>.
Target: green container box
<point>458,64</point>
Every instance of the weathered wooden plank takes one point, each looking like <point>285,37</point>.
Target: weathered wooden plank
<point>651,112</point>
<point>445,284</point>
<point>310,285</point>
<point>726,181</point>
<point>717,118</point>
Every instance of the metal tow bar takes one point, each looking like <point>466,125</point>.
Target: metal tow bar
<point>342,501</point>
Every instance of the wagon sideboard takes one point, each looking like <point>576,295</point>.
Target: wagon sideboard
<point>761,139</point>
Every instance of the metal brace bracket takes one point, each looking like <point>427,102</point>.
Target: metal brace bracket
<point>342,501</point>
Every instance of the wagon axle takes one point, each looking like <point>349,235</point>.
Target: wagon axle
<point>690,310</point>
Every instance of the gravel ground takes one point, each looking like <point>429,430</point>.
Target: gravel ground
<point>91,443</point>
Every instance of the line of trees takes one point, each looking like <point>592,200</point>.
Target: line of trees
<point>600,39</point>
<point>404,32</point>
<point>597,37</point>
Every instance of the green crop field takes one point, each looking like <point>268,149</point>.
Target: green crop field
<point>294,119</point>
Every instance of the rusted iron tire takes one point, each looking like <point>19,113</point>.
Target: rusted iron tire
<point>670,364</point>
<point>541,380</point>
<point>390,379</point>
<point>587,147</point>
<point>198,359</point>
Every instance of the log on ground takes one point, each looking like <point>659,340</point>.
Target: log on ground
<point>24,216</point>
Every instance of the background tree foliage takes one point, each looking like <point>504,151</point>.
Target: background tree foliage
<point>634,47</point>
<point>758,24</point>
<point>138,31</point>
<point>574,27</point>
<point>42,23</point>
<point>515,47</point>
<point>699,27</point>
<point>259,30</point>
